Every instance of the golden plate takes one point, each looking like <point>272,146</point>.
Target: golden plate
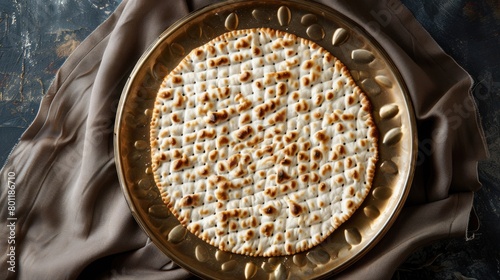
<point>370,67</point>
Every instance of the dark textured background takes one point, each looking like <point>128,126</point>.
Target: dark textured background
<point>36,36</point>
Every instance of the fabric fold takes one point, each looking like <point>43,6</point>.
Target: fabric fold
<point>448,217</point>
<point>73,221</point>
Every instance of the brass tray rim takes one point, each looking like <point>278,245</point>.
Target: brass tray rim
<point>178,24</point>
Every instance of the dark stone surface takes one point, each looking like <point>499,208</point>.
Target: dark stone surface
<point>37,36</point>
<point>35,39</point>
<point>469,31</point>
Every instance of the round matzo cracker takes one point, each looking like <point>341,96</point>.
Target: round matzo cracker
<point>261,143</point>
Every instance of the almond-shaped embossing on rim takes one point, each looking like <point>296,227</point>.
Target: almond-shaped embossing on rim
<point>308,19</point>
<point>393,136</point>
<point>370,87</point>
<point>339,37</point>
<point>281,272</point>
<point>177,234</point>
<point>371,212</point>
<point>382,193</point>
<point>315,32</point>
<point>261,15</point>
<point>362,56</point>
<point>177,50</point>
<point>232,22</point>
<point>352,236</point>
<point>318,256</point>
<point>250,270</point>
<point>388,111</point>
<point>383,81</point>
<point>159,211</point>
<point>229,265</point>
<point>201,253</point>
<point>284,15</point>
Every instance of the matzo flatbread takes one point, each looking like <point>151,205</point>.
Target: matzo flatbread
<point>261,143</point>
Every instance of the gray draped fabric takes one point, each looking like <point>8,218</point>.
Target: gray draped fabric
<point>73,220</point>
